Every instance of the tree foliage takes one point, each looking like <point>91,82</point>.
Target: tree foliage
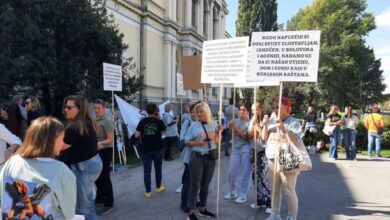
<point>257,15</point>
<point>54,48</point>
<point>348,72</point>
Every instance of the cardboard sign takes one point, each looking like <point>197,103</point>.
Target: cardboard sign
<point>285,56</point>
<point>225,60</point>
<point>191,70</point>
<point>179,84</point>
<point>112,77</point>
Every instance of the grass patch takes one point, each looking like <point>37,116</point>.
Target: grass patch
<point>384,153</point>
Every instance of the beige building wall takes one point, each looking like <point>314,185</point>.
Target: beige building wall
<point>159,32</point>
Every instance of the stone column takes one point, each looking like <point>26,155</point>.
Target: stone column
<point>167,68</point>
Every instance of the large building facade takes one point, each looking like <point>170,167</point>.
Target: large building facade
<point>160,32</point>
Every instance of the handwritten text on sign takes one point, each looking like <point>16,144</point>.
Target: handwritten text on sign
<point>224,61</point>
<point>285,56</point>
<point>112,77</point>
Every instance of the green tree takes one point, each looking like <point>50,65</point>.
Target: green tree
<point>345,60</point>
<point>257,15</point>
<point>54,48</point>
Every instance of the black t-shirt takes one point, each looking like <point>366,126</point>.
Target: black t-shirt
<point>151,129</point>
<point>311,117</point>
<point>32,115</point>
<point>335,117</point>
<point>82,147</point>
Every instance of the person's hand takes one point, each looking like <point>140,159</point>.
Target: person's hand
<point>233,123</point>
<point>203,143</point>
<point>280,125</point>
<point>220,128</point>
<point>266,121</point>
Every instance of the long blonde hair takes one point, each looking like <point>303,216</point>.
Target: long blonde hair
<point>333,109</point>
<point>207,110</point>
<point>40,138</point>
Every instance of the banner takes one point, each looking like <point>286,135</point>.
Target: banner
<point>285,56</point>
<point>225,60</point>
<point>130,114</point>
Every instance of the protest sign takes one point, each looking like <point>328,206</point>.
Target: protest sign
<point>112,77</point>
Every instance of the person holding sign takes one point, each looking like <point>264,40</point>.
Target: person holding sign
<point>241,156</point>
<point>202,138</point>
<point>278,130</point>
<point>257,132</point>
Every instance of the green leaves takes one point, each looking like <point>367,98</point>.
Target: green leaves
<point>56,48</point>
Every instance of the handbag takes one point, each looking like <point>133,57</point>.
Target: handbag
<point>292,158</point>
<point>213,153</point>
<point>328,129</point>
<point>380,130</point>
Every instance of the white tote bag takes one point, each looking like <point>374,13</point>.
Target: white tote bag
<point>328,129</point>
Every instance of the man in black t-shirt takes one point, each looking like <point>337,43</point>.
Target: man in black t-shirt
<point>149,130</point>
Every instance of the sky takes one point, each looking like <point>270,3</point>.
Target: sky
<point>378,39</point>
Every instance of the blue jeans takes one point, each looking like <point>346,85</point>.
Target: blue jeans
<point>349,143</point>
<point>147,159</point>
<point>377,138</point>
<point>186,186</point>
<point>335,140</point>
<point>86,173</point>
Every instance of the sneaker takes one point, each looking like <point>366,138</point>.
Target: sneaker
<point>274,216</point>
<point>240,200</point>
<point>231,195</point>
<point>268,210</point>
<point>254,206</point>
<point>206,213</point>
<point>104,210</point>
<point>160,189</point>
<point>178,190</point>
<point>192,216</point>
<point>185,209</point>
<point>148,195</point>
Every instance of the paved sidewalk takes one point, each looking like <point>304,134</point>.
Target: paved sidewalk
<point>332,190</point>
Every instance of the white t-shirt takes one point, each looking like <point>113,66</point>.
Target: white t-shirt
<point>351,123</point>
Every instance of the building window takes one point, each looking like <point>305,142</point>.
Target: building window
<point>205,17</point>
<point>194,9</point>
<point>215,22</point>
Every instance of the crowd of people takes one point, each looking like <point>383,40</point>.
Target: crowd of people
<point>67,167</point>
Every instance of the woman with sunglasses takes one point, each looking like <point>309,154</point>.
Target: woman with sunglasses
<point>278,129</point>
<point>241,155</point>
<point>80,152</point>
<point>32,108</point>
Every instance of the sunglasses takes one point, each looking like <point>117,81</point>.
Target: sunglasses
<point>69,107</point>
<point>275,107</point>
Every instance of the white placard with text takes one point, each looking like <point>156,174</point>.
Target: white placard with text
<point>112,77</point>
<point>180,84</point>
<point>225,60</point>
<point>285,56</point>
